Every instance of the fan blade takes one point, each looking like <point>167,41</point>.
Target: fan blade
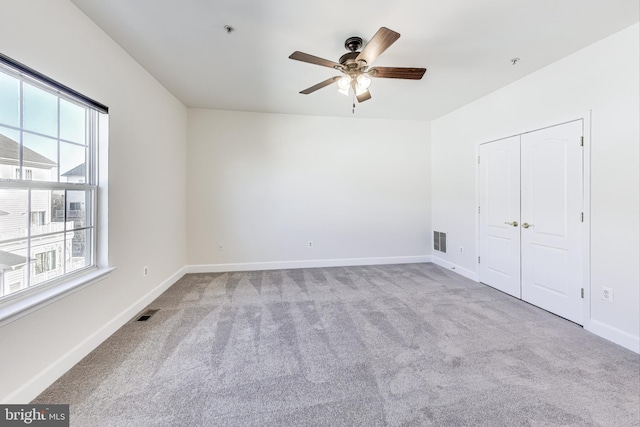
<point>364,96</point>
<point>305,57</point>
<point>397,73</point>
<point>380,42</point>
<point>319,85</point>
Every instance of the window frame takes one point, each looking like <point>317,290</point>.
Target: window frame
<point>17,304</point>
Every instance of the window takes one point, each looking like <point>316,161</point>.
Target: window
<point>45,261</point>
<point>28,174</point>
<point>49,138</point>
<point>37,218</point>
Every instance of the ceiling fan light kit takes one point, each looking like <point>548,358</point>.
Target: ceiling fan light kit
<point>355,65</point>
<point>344,83</point>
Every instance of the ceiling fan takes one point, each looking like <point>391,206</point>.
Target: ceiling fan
<point>355,65</point>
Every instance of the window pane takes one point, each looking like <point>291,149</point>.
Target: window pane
<point>77,212</point>
<point>13,267</point>
<point>80,254</point>
<point>72,161</point>
<point>72,122</point>
<point>40,110</point>
<point>13,214</point>
<point>41,155</point>
<point>9,100</point>
<point>47,254</point>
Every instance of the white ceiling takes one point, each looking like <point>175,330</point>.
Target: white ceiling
<point>466,46</point>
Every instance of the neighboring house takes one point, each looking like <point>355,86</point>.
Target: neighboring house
<point>76,175</point>
<point>76,202</point>
<point>45,216</point>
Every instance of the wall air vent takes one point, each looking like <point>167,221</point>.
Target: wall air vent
<point>440,241</point>
<point>147,315</point>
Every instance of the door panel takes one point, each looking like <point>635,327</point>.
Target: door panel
<point>549,269</point>
<point>552,271</point>
<point>499,207</point>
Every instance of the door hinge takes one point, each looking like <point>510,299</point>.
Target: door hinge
<point>581,292</point>
<point>478,260</point>
<point>581,216</point>
<point>478,159</point>
<point>478,209</point>
<point>582,141</point>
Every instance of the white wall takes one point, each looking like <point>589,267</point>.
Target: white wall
<point>147,198</point>
<point>602,78</point>
<point>264,185</point>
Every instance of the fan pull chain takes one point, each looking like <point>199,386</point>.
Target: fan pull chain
<point>353,109</point>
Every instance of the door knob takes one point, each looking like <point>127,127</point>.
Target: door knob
<point>514,223</point>
<point>525,225</point>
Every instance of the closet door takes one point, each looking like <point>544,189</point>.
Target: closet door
<point>552,227</point>
<point>500,215</point>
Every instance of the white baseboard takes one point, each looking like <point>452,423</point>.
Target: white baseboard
<point>55,370</point>
<point>311,263</point>
<point>469,274</point>
<point>615,335</point>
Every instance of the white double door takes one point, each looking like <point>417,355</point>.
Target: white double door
<point>531,218</point>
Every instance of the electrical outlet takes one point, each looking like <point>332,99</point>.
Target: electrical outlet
<point>309,244</point>
<point>220,247</point>
<point>145,271</point>
<point>606,294</point>
<point>461,250</point>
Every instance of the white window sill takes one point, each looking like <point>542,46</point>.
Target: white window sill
<point>32,300</point>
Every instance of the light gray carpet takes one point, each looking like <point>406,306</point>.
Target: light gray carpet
<point>397,345</point>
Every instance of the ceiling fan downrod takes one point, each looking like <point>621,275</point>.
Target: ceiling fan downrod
<point>353,43</point>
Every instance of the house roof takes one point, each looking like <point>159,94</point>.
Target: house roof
<point>10,154</point>
<point>11,260</point>
<point>77,171</point>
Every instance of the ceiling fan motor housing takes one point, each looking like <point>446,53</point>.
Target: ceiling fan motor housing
<point>348,58</point>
